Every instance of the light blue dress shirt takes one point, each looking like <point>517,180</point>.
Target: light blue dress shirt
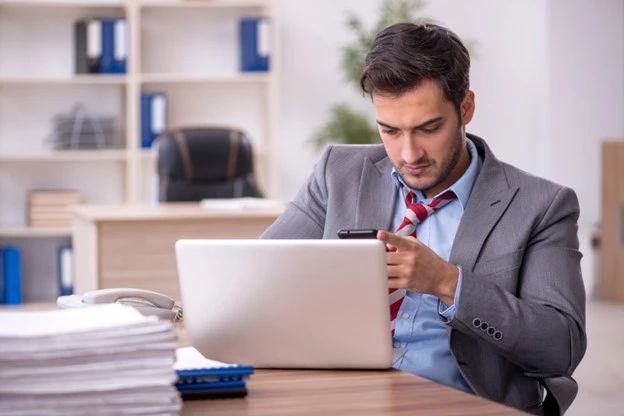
<point>420,337</point>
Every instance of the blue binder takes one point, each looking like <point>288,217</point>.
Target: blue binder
<point>153,117</point>
<point>114,46</point>
<point>120,55</point>
<point>2,301</point>
<point>12,268</point>
<point>65,270</point>
<point>108,46</point>
<point>255,44</point>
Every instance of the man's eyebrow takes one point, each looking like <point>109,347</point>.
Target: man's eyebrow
<point>420,126</point>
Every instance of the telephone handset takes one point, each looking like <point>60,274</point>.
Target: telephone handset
<point>145,301</point>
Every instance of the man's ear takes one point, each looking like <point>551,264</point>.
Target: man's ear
<point>467,107</point>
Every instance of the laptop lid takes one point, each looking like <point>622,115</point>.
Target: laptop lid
<point>287,303</point>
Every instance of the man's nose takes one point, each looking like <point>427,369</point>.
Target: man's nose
<point>411,151</point>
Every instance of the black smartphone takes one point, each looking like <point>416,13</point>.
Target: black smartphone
<point>358,233</point>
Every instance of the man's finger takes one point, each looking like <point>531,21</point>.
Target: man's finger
<point>394,271</point>
<point>400,242</point>
<point>394,257</point>
<point>390,248</point>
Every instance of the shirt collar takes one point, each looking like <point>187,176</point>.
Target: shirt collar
<point>461,187</point>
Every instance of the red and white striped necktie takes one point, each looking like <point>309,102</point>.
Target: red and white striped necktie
<point>415,213</point>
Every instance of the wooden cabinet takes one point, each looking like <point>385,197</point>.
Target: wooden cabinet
<point>133,245</point>
<point>612,224</point>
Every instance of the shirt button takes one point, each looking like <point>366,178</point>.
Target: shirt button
<point>405,315</point>
<point>396,344</point>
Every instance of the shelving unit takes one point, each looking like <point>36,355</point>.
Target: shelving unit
<point>19,232</point>
<point>66,156</point>
<point>185,48</point>
<point>74,79</point>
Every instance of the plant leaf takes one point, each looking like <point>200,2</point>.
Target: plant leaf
<point>347,127</point>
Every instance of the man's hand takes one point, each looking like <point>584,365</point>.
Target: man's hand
<point>414,266</point>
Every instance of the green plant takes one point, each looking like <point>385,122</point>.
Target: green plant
<point>346,125</point>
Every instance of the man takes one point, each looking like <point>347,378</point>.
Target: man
<point>488,297</point>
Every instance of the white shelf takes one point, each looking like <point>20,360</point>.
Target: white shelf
<point>62,3</point>
<point>155,78</point>
<point>67,156</point>
<point>71,80</point>
<point>147,154</point>
<point>210,4</point>
<point>34,232</point>
<point>179,4</point>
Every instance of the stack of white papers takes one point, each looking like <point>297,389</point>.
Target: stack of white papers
<point>102,360</point>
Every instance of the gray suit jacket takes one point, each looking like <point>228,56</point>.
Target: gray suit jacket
<point>521,312</point>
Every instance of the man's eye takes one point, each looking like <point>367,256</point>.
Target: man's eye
<point>430,130</point>
<point>389,132</point>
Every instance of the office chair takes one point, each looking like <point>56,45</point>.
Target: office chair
<point>205,162</point>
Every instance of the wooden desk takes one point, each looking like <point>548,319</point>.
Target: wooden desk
<point>133,245</point>
<point>328,393</point>
<point>308,393</point>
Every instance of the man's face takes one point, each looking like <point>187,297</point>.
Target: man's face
<point>424,137</point>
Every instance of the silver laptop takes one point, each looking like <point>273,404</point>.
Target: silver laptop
<point>287,303</point>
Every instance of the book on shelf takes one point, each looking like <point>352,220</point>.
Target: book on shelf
<point>51,208</point>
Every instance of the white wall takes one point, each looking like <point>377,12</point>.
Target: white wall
<point>586,86</point>
<point>311,36</point>
<point>549,81</point>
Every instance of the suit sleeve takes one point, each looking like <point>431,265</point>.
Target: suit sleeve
<point>304,217</point>
<point>541,328</point>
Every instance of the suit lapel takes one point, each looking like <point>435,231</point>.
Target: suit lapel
<point>376,195</point>
<point>490,197</point>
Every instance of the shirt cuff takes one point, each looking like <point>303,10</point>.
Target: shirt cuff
<point>448,312</point>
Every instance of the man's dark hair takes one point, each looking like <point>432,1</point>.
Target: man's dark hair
<point>406,54</point>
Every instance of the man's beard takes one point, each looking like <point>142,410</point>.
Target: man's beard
<point>447,165</point>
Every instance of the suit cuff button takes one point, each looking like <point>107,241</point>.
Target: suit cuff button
<point>484,326</point>
<point>491,330</point>
<point>476,323</point>
<point>498,335</point>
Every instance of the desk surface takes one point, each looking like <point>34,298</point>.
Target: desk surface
<point>303,393</point>
<point>168,211</point>
<point>328,393</point>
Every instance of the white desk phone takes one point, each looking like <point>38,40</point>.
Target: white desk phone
<point>145,301</point>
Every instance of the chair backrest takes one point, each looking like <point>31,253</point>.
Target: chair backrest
<point>205,162</point>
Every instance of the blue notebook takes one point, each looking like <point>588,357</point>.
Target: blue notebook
<point>192,367</point>
<point>202,378</point>
<point>214,385</point>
